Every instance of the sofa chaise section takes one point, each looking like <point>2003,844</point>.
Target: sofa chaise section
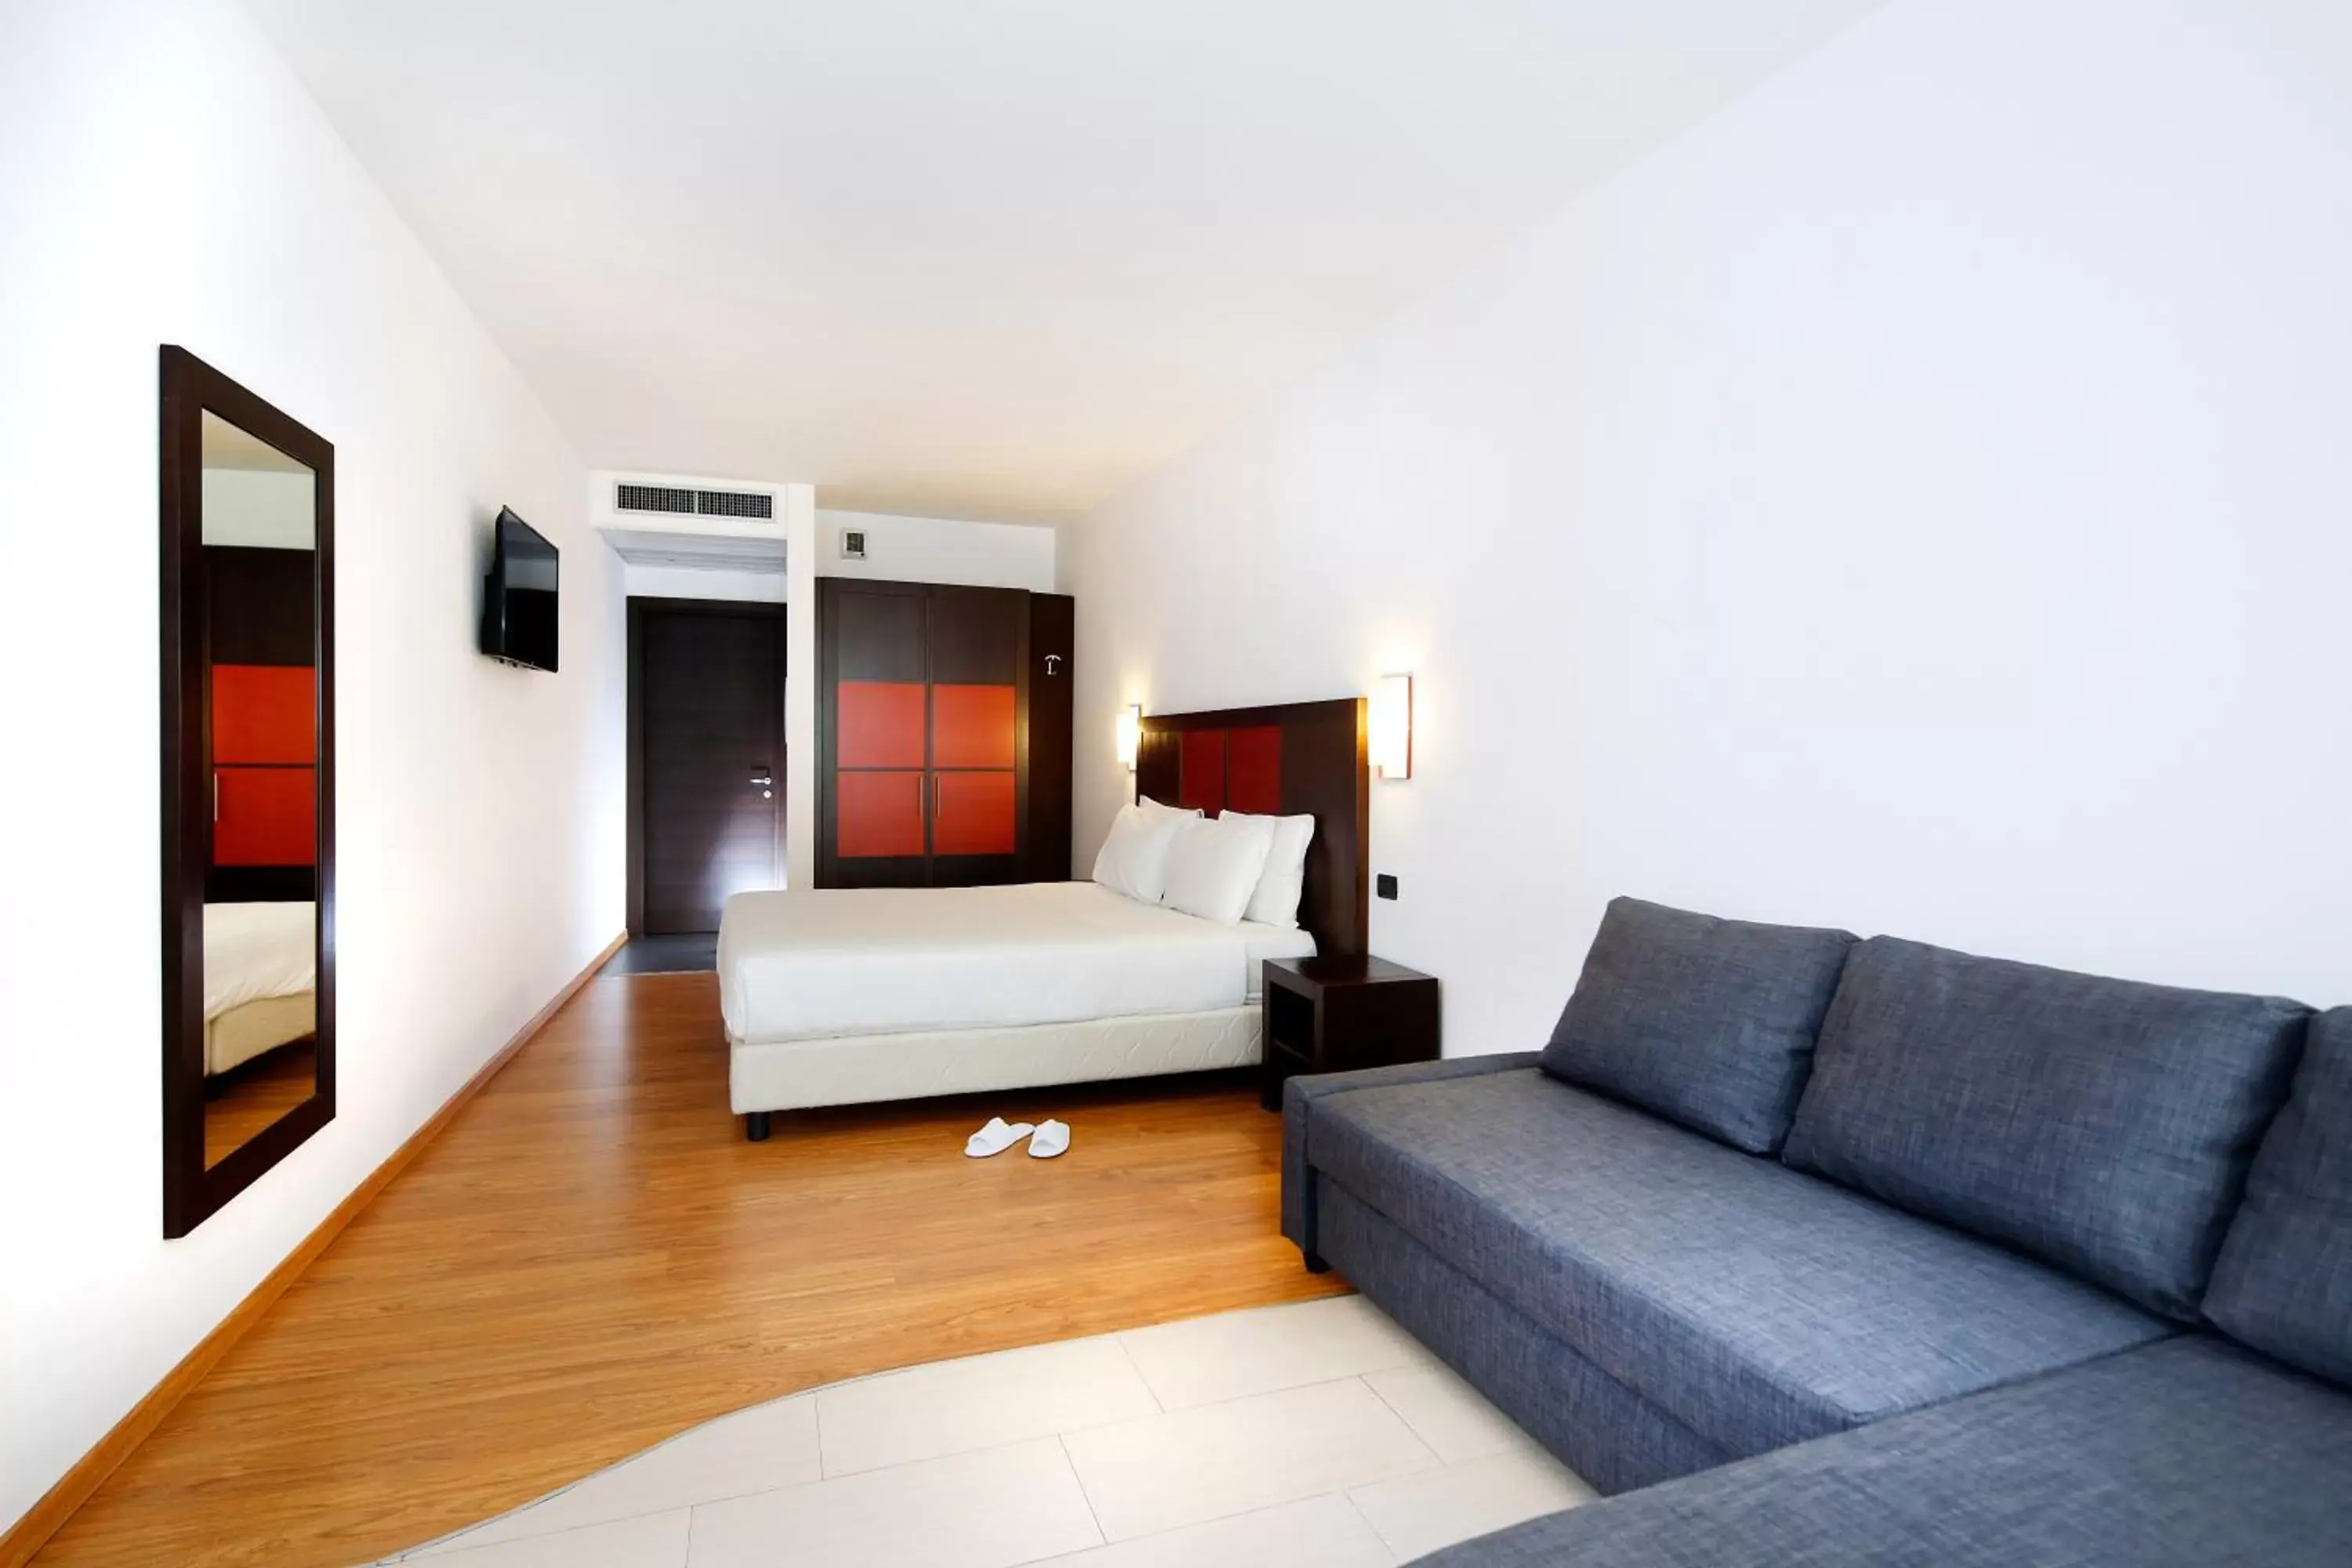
<point>2192,1453</point>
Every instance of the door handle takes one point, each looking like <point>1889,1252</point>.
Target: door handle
<point>764,779</point>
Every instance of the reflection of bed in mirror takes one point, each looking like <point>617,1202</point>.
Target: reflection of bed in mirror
<point>260,980</point>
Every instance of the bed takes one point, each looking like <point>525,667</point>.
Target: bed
<point>839,996</point>
<point>260,980</point>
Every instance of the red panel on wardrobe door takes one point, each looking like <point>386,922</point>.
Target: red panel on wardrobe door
<point>1254,769</point>
<point>972,726</point>
<point>879,724</point>
<point>1201,771</point>
<point>877,813</point>
<point>266,816</point>
<point>265,714</point>
<point>976,814</point>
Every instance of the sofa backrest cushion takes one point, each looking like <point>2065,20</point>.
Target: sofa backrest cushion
<point>1709,1023</point>
<point>2284,1282</point>
<point>2102,1125</point>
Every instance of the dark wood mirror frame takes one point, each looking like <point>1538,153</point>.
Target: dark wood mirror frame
<point>191,1193</point>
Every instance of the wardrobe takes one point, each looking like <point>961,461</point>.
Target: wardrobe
<point>943,735</point>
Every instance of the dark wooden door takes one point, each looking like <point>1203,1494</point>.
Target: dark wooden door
<point>707,694</point>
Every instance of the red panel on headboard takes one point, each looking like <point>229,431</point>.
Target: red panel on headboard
<point>264,713</point>
<point>1201,771</point>
<point>266,816</point>
<point>1254,769</point>
<point>1295,759</point>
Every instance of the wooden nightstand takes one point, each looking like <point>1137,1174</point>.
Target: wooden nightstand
<point>1329,1014</point>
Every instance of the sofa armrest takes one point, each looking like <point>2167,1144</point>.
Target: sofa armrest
<point>1298,1098</point>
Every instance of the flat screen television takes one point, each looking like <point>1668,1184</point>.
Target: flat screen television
<point>519,596</point>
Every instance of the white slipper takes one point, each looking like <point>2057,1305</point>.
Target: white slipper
<point>996,1137</point>
<point>1052,1138</point>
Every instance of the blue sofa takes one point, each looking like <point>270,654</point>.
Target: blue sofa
<point>1803,1248</point>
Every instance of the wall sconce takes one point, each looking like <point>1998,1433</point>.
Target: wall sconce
<point>1130,734</point>
<point>1393,726</point>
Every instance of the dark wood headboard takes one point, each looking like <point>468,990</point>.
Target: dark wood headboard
<point>1298,759</point>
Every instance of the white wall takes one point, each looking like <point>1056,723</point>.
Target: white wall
<point>260,508</point>
<point>163,179</point>
<point>1917,500</point>
<point>646,582</point>
<point>936,549</point>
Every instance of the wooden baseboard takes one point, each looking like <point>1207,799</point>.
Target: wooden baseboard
<point>28,1534</point>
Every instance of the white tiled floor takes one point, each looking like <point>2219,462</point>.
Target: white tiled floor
<point>1318,1436</point>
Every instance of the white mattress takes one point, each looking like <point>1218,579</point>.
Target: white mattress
<point>795,1075</point>
<point>832,963</point>
<point>254,951</point>
<point>241,1034</point>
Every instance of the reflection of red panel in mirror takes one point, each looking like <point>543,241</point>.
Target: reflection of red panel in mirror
<point>972,726</point>
<point>1201,771</point>
<point>878,813</point>
<point>879,724</point>
<point>266,816</point>
<point>976,814</point>
<point>1254,769</point>
<point>264,713</point>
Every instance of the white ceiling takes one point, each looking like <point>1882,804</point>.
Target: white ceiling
<point>987,258</point>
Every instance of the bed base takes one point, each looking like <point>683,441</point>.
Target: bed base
<point>862,1070</point>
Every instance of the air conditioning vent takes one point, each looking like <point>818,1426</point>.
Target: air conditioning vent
<point>655,497</point>
<point>673,501</point>
<point>736,503</point>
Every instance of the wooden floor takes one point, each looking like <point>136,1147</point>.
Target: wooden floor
<point>591,1259</point>
<point>248,1100</point>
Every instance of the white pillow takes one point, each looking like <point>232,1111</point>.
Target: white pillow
<point>1134,858</point>
<point>1156,808</point>
<point>1212,867</point>
<point>1284,880</point>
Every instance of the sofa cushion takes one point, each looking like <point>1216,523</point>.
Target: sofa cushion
<point>2183,1455</point>
<point>1757,1306</point>
<point>1707,1022</point>
<point>2102,1124</point>
<point>2284,1283</point>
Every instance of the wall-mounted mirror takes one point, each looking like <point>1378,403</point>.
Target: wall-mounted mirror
<point>248,787</point>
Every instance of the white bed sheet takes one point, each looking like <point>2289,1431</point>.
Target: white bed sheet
<point>829,962</point>
<point>253,952</point>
